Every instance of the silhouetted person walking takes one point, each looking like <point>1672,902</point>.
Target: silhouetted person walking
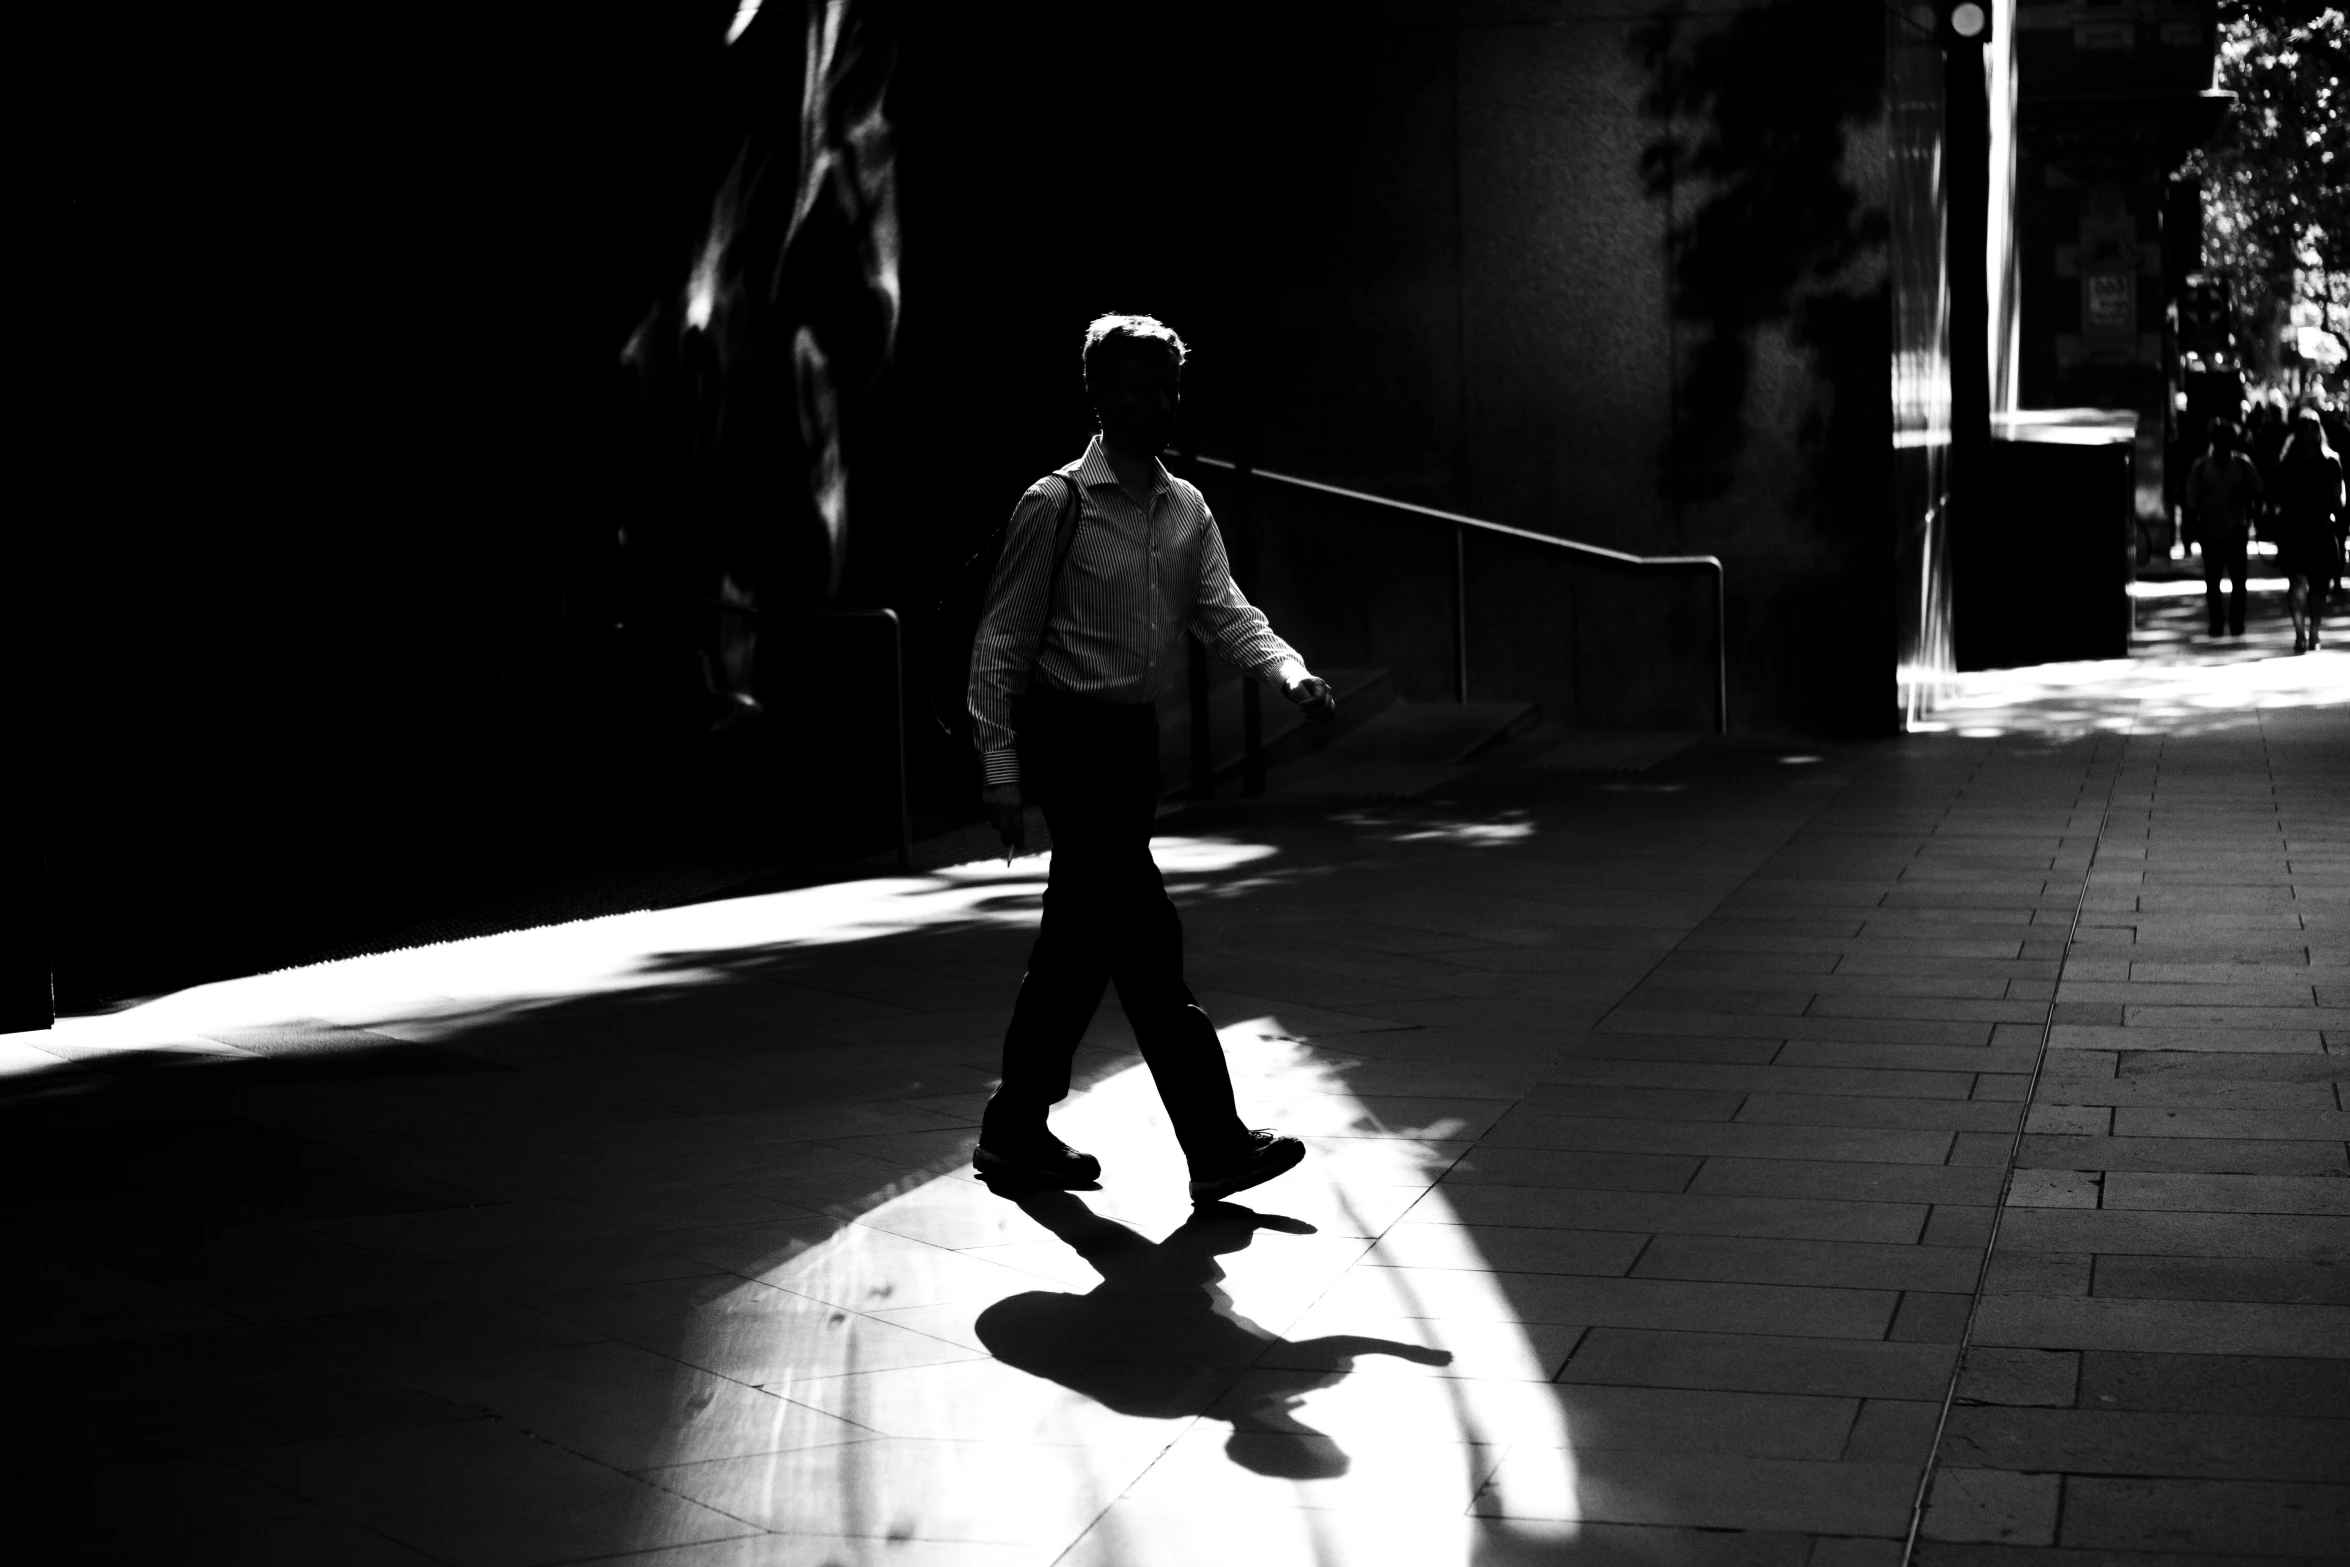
<point>2223,498</point>
<point>1107,564</point>
<point>2308,499</point>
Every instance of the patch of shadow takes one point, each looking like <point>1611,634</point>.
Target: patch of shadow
<point>128,1148</point>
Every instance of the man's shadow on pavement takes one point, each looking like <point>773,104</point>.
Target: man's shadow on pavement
<point>1158,1338</point>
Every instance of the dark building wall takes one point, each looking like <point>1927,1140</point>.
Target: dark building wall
<point>1568,326</point>
<point>2103,237</point>
<point>1472,298</point>
<point>345,446</point>
<point>1456,292</point>
<point>335,392</point>
<point>2111,102</point>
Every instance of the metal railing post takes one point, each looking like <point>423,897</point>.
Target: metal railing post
<point>1203,760</point>
<point>1460,612</point>
<point>1252,737</point>
<point>1721,651</point>
<point>897,648</point>
<point>1252,692</point>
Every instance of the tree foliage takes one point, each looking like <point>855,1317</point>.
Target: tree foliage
<point>2276,180</point>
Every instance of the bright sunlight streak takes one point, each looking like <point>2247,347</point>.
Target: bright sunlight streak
<point>1303,1421</point>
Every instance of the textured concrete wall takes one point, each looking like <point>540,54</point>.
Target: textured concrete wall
<point>1459,286</point>
<point>1566,320</point>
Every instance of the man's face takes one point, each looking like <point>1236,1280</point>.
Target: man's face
<point>1137,406</point>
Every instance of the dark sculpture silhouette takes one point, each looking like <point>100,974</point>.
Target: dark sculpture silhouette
<point>1754,114</point>
<point>1158,1338</point>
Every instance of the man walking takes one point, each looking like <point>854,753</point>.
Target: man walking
<point>2223,497</point>
<point>1082,632</point>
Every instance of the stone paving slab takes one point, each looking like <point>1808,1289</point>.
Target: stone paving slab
<point>1699,1169</point>
<point>2172,1219</point>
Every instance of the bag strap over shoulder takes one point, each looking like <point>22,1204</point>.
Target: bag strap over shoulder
<point>1064,535</point>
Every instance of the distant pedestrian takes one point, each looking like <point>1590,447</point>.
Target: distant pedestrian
<point>2337,425</point>
<point>1082,633</point>
<point>2308,494</point>
<point>2265,439</point>
<point>2223,499</point>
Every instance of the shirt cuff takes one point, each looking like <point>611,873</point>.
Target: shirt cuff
<point>1002,767</point>
<point>1285,673</point>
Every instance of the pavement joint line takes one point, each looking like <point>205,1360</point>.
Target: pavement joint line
<point>1966,1334</point>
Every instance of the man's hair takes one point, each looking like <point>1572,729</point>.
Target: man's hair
<point>1111,338</point>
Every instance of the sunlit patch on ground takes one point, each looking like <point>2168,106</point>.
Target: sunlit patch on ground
<point>1487,831</point>
<point>1240,1384</point>
<point>2180,681</point>
<point>429,992</point>
<point>2188,588</point>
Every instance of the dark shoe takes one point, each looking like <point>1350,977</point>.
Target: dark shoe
<point>1269,1154</point>
<point>1042,1160</point>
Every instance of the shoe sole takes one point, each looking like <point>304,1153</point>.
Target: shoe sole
<point>1281,1161</point>
<point>997,1166</point>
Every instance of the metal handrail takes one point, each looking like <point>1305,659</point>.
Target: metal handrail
<point>1463,525</point>
<point>897,648</point>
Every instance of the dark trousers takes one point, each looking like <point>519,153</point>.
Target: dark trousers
<point>2223,556</point>
<point>1093,768</point>
<point>2305,557</point>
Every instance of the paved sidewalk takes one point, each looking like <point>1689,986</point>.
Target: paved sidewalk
<point>1673,1132</point>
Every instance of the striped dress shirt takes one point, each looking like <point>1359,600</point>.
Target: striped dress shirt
<point>1135,581</point>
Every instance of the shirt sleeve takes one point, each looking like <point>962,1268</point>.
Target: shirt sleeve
<point>1229,625</point>
<point>1011,627</point>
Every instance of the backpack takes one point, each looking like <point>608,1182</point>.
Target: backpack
<point>954,619</point>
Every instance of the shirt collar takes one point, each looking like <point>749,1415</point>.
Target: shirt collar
<point>1095,468</point>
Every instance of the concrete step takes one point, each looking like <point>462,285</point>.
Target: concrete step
<point>1611,750</point>
<point>1407,750</point>
<point>1362,695</point>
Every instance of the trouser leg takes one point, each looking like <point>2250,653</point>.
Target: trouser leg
<point>1178,1041</point>
<point>1094,772</point>
<point>2226,557</point>
<point>2214,602</point>
<point>1058,996</point>
<point>1069,965</point>
<point>1145,950</point>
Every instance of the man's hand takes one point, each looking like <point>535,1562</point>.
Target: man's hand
<point>1314,698</point>
<point>1009,815</point>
